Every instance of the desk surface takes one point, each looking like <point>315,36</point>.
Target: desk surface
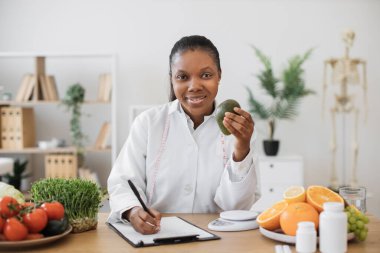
<point>103,239</point>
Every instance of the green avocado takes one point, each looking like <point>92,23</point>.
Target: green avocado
<point>226,106</point>
<point>56,227</point>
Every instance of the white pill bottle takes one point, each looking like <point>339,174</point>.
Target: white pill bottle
<point>333,228</point>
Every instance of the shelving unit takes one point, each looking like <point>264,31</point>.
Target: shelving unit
<point>51,150</point>
<point>42,102</point>
<point>38,63</point>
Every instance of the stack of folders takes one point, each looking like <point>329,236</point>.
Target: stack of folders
<point>17,127</point>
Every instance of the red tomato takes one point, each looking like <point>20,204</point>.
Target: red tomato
<point>2,221</point>
<point>27,204</point>
<point>54,210</point>
<point>9,207</point>
<point>34,236</point>
<point>14,230</point>
<point>36,220</point>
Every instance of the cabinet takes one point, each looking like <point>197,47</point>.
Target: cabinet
<point>51,119</point>
<point>275,174</point>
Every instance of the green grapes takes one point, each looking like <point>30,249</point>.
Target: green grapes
<point>356,221</point>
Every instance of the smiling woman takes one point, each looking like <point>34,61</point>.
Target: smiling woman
<point>176,155</point>
<point>195,80</point>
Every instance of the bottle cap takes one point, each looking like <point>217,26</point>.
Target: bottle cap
<point>306,225</point>
<point>333,206</point>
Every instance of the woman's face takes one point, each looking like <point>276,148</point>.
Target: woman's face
<point>195,78</point>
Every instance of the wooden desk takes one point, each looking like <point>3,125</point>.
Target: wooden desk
<point>103,239</point>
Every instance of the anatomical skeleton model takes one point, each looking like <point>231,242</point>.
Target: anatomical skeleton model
<point>345,74</point>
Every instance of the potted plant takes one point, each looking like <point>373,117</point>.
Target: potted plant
<point>284,93</point>
<point>81,199</point>
<point>73,101</point>
<point>18,173</point>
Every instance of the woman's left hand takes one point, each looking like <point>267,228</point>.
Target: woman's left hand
<point>241,126</point>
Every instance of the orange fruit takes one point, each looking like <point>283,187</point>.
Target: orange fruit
<point>316,195</point>
<point>295,194</point>
<point>297,212</point>
<point>270,218</point>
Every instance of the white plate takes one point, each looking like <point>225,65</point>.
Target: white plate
<point>278,235</point>
<point>29,243</point>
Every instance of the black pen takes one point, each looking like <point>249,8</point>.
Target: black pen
<point>136,192</point>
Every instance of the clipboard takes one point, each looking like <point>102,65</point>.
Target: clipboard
<point>173,230</point>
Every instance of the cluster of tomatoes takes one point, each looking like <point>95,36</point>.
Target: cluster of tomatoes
<point>30,221</point>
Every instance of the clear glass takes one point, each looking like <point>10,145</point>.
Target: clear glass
<point>355,196</point>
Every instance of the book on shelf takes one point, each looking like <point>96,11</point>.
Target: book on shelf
<point>41,87</point>
<point>100,87</point>
<point>102,139</point>
<point>28,94</point>
<point>23,86</point>
<point>36,91</point>
<point>105,87</point>
<point>44,88</point>
<point>52,88</point>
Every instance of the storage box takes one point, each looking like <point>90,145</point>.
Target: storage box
<point>17,127</point>
<point>61,166</point>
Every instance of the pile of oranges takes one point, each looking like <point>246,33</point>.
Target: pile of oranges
<point>298,205</point>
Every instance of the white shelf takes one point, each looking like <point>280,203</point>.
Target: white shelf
<point>36,150</point>
<point>46,102</point>
<point>107,55</point>
<point>55,54</point>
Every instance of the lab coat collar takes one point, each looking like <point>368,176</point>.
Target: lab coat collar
<point>173,106</point>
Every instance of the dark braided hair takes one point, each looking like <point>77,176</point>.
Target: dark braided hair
<point>192,43</point>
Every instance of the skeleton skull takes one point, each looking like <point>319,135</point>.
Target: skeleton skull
<point>348,37</point>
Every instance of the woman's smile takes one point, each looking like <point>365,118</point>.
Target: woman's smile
<point>196,100</point>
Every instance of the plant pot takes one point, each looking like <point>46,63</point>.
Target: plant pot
<point>16,182</point>
<point>84,224</point>
<point>271,147</point>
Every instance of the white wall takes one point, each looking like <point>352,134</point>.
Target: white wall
<point>143,32</point>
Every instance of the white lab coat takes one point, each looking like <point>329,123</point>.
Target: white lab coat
<point>191,176</point>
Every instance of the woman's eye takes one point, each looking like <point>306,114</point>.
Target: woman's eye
<point>181,77</point>
<point>206,75</point>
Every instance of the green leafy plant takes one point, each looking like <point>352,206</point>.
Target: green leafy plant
<point>285,93</point>
<point>18,173</point>
<point>81,199</point>
<point>73,101</point>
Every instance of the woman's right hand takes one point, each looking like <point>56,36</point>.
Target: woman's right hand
<point>142,221</point>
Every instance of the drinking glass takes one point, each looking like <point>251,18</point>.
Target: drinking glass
<point>355,196</point>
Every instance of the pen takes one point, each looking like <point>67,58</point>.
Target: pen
<point>135,191</point>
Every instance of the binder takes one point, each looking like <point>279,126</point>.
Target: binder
<point>173,230</point>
